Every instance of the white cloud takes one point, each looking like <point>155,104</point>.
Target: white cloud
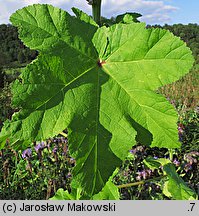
<point>153,11</point>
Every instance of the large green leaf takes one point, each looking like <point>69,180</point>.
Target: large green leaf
<point>62,194</point>
<point>153,163</point>
<point>99,83</point>
<point>128,18</point>
<point>109,192</point>
<point>175,187</point>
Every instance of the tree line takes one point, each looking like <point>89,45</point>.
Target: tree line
<point>12,49</point>
<point>13,53</point>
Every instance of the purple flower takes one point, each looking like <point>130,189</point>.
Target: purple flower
<point>69,175</point>
<point>64,140</point>
<point>144,174</point>
<point>27,153</point>
<point>39,146</point>
<point>187,167</point>
<point>190,157</point>
<point>55,150</point>
<point>176,162</point>
<point>138,178</point>
<point>149,172</point>
<point>72,160</point>
<point>194,153</point>
<point>55,140</point>
<point>180,137</point>
<point>172,102</point>
<point>133,151</point>
<point>180,130</point>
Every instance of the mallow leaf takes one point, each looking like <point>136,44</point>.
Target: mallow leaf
<point>175,187</point>
<point>83,16</point>
<point>128,18</point>
<point>153,163</point>
<point>97,82</point>
<point>109,192</point>
<point>62,194</point>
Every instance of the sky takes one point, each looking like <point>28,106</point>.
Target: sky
<point>153,11</point>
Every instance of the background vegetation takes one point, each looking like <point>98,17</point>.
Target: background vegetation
<point>41,169</point>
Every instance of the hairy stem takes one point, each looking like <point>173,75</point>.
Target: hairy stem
<point>140,182</point>
<point>96,11</point>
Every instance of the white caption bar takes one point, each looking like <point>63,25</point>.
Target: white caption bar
<point>85,208</point>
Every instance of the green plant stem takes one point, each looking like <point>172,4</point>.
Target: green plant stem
<point>96,11</point>
<point>63,134</point>
<point>140,182</point>
<point>171,154</point>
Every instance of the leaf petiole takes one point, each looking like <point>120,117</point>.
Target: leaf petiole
<point>171,154</point>
<point>140,182</point>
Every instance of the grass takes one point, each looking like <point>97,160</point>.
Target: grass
<point>184,92</point>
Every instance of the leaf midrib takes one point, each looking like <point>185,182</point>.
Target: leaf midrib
<point>140,105</point>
